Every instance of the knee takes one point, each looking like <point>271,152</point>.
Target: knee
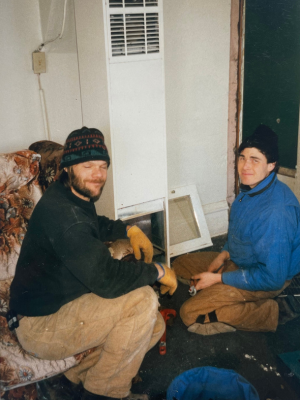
<point>147,299</point>
<point>185,312</point>
<point>150,297</point>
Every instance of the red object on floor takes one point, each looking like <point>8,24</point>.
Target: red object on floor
<point>166,314</point>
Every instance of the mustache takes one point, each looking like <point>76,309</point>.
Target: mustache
<point>96,181</point>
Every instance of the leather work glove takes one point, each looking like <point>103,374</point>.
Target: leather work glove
<point>168,280</point>
<point>139,241</point>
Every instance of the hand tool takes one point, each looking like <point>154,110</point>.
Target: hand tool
<point>192,289</point>
<point>166,314</point>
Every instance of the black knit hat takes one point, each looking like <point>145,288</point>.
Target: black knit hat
<point>83,145</point>
<point>265,140</point>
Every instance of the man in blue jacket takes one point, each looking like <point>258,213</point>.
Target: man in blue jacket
<point>236,287</point>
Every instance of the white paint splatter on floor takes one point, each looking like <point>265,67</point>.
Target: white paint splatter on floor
<point>266,367</point>
<point>250,357</point>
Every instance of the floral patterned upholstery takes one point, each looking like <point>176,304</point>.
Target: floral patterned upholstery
<point>19,193</point>
<point>21,185</point>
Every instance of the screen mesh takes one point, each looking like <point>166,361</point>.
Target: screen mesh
<point>182,222</point>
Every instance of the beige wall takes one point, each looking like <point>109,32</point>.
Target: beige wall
<point>20,106</point>
<point>197,50</point>
<point>61,81</point>
<point>20,112</point>
<point>197,36</point>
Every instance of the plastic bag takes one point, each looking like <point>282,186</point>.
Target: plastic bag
<point>210,383</point>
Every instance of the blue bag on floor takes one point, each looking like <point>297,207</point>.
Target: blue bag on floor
<point>210,383</point>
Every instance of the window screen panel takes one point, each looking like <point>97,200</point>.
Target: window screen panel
<point>182,222</point>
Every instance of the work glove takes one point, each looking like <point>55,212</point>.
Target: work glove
<point>139,241</point>
<point>168,280</point>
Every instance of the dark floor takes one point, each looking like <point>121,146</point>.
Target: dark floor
<point>252,355</point>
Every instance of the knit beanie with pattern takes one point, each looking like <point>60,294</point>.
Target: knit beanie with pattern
<point>85,144</point>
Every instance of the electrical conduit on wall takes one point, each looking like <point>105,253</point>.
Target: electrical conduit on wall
<point>41,91</point>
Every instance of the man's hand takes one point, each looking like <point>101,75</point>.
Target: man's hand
<point>218,261</point>
<point>213,274</point>
<point>207,279</point>
<point>139,241</point>
<point>167,278</point>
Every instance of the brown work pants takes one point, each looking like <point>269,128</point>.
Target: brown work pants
<point>243,309</point>
<point>122,329</point>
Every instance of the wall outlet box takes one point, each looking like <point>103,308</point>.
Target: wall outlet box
<point>38,62</point>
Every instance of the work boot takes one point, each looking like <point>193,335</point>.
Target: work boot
<point>212,328</point>
<point>59,387</point>
<point>91,396</point>
<point>133,396</point>
<point>286,314</point>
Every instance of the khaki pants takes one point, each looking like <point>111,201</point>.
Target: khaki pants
<point>243,309</point>
<point>122,329</point>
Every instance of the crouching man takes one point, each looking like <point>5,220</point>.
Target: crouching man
<point>72,294</point>
<point>262,254</point>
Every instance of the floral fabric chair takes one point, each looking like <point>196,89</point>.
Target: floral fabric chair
<point>21,185</point>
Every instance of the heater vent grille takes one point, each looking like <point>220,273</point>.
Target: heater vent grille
<point>152,25</point>
<point>115,3</point>
<point>117,33</point>
<point>133,34</point>
<point>151,3</point>
<point>133,3</point>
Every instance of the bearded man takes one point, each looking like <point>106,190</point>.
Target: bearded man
<point>70,295</point>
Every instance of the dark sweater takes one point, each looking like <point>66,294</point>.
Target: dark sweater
<point>63,256</point>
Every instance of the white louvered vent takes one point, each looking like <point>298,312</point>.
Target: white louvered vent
<point>152,24</point>
<point>135,34</point>
<point>115,3</point>
<point>133,3</point>
<point>117,33</point>
<point>138,34</point>
<point>134,29</point>
<point>151,3</point>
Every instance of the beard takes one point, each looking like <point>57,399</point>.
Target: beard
<point>82,189</point>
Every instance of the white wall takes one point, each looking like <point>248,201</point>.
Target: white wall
<point>197,50</point>
<point>20,111</point>
<point>61,81</point>
<point>20,107</point>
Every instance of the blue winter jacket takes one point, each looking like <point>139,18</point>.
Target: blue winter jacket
<point>264,237</point>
